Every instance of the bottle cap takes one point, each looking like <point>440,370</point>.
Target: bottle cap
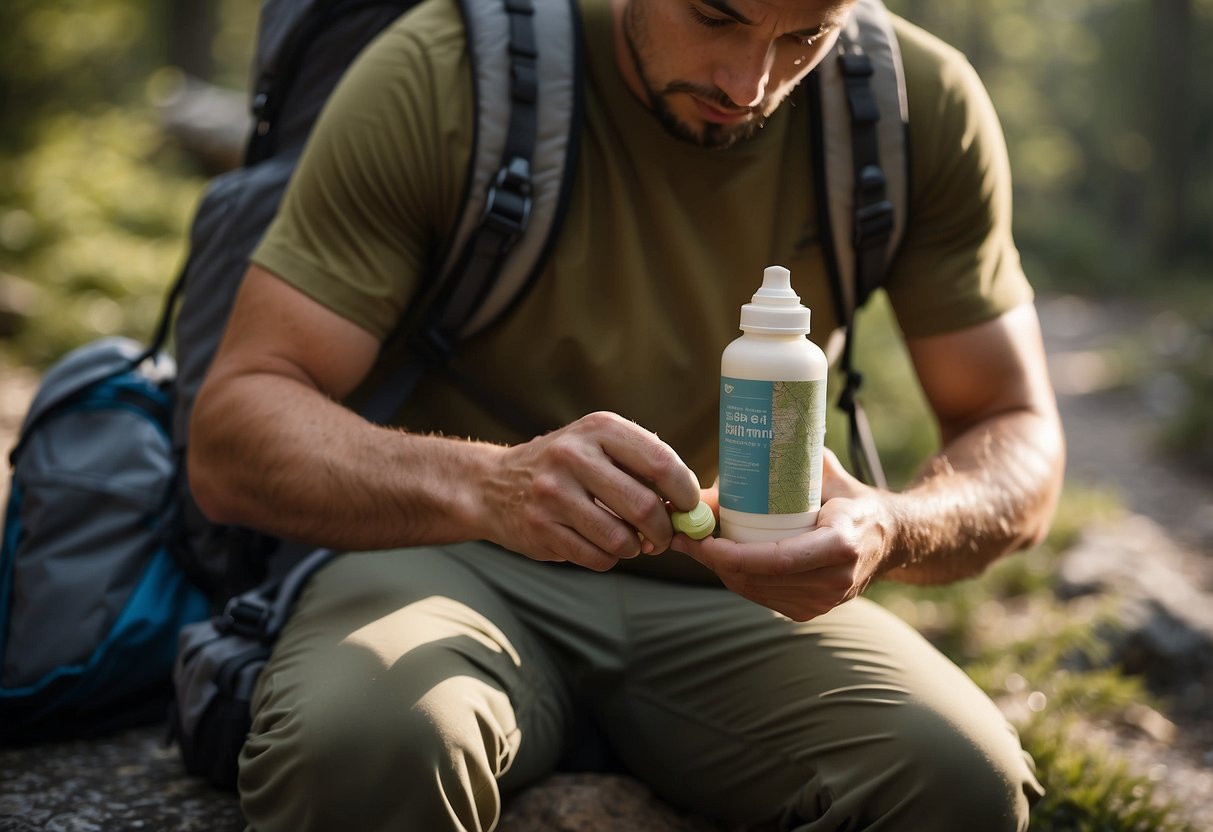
<point>775,307</point>
<point>697,523</point>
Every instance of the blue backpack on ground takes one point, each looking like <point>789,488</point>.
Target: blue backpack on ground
<point>91,599</point>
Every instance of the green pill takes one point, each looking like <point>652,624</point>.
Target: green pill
<point>697,523</point>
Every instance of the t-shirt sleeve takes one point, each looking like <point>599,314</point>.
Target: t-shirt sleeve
<point>958,265</point>
<point>376,188</point>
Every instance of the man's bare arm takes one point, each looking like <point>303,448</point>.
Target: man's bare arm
<point>272,448</point>
<point>993,486</point>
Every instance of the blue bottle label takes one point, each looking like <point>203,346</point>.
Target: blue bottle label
<point>771,435</point>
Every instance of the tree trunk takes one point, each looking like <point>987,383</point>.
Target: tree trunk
<point>1172,133</point>
<point>191,32</point>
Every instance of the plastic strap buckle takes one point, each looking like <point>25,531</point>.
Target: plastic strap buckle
<point>874,211</point>
<point>247,616</point>
<point>851,385</point>
<point>507,207</point>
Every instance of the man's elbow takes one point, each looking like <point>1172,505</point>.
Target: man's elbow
<point>208,485</point>
<point>212,462</point>
<point>1051,456</point>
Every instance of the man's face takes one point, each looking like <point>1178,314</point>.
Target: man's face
<point>712,71</point>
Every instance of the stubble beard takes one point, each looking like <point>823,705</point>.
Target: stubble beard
<point>714,136</point>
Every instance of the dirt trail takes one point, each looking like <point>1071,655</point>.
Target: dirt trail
<point>1111,436</point>
<point>1111,430</point>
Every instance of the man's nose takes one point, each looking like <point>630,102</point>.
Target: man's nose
<point>743,76</point>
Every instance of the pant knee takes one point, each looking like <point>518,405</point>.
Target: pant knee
<point>340,761</point>
<point>967,779</point>
<point>924,772</point>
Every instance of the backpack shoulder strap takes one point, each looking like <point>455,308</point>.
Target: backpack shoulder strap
<point>528,119</point>
<point>864,120</point>
<point>861,170</point>
<point>528,107</point>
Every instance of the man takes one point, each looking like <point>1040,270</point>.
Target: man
<point>444,662</point>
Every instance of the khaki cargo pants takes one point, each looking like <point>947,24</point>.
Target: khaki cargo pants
<point>416,689</point>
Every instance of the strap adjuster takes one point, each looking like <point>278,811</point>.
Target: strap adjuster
<point>850,389</point>
<point>246,617</point>
<point>874,211</point>
<point>507,207</point>
<point>873,224</point>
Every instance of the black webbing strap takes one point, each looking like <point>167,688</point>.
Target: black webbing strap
<point>260,612</point>
<point>165,324</point>
<point>873,222</point>
<point>507,212</point>
<point>507,209</point>
<point>873,210</point>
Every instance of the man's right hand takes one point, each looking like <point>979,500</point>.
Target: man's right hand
<point>593,492</point>
<point>272,448</point>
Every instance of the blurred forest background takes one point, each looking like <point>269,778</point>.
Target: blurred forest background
<point>1108,110</point>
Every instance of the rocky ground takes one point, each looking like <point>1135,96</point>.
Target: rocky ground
<point>1158,560</point>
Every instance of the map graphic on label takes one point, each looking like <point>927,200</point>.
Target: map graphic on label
<point>771,435</point>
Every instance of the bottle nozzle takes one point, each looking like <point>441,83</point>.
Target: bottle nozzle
<point>775,307</point>
<point>776,287</point>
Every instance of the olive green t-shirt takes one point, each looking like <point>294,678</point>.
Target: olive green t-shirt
<point>662,242</point>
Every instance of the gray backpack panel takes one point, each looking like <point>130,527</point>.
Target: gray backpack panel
<point>66,474</point>
<point>557,76</point>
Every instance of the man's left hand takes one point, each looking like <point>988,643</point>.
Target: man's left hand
<point>811,573</point>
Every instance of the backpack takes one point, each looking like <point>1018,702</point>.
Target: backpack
<point>91,600</point>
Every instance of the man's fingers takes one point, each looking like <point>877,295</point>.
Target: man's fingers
<point>836,481</point>
<point>642,454</point>
<point>808,552</point>
<point>570,545</point>
<point>639,506</point>
<point>723,555</point>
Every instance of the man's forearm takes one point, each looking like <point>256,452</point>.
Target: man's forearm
<point>271,453</point>
<point>990,491</point>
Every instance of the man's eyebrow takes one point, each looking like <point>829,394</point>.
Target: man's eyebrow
<point>811,32</point>
<point>725,9</point>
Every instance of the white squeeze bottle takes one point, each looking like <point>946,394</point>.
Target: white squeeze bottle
<point>772,418</point>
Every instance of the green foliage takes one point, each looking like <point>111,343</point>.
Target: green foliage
<point>1186,435</point>
<point>1107,118</point>
<point>1085,791</point>
<point>95,231</point>
<point>1046,664</point>
<point>94,200</point>
<point>69,56</point>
